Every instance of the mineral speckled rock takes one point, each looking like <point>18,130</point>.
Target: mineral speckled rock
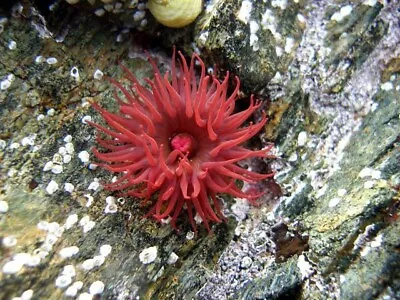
<point>330,73</point>
<point>253,39</point>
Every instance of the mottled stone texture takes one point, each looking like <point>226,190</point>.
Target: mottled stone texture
<point>328,72</point>
<point>245,41</point>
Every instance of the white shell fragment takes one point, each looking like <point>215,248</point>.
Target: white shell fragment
<point>99,12</point>
<point>63,281</point>
<point>334,201</point>
<point>369,184</point>
<point>98,260</point>
<point>387,86</point>
<point>340,15</point>
<point>3,144</point>
<point>148,255</point>
<point>305,267</point>
<point>173,258</point>
<point>105,250</point>
<point>69,187</point>
<point>12,45</point>
<point>341,192</point>
<point>51,60</point>
<point>94,185</point>
<point>14,145</point>
<point>92,166</point>
<point>12,267</point>
<point>69,251</point>
<point>6,83</point>
<point>52,187</point>
<point>43,225</point>
<point>190,235</point>
<point>22,257</point>
<point>69,147</point>
<point>71,221</point>
<point>33,261</point>
<point>84,156</point>
<point>85,296</point>
<point>51,112</point>
<point>279,3</point>
<point>111,208</point>
<point>89,199</point>
<point>9,241</point>
<point>57,159</point>
<point>370,2</point>
<point>62,151</point>
<point>27,295</point>
<point>48,166</point>
<point>369,172</point>
<point>57,169</point>
<point>51,239</point>
<point>74,73</point>
<point>89,226</point>
<point>29,140</point>
<point>68,138</point>
<point>246,262</point>
<point>67,158</point>
<point>85,219</point>
<point>86,118</point>
<point>78,284</point>
<point>139,15</point>
<point>98,74</point>
<point>302,139</point>
<point>55,228</point>
<point>110,199</point>
<point>39,59</point>
<point>72,290</point>
<point>245,11</point>
<point>88,264</point>
<point>3,206</point>
<point>86,223</point>
<point>69,270</point>
<point>96,288</point>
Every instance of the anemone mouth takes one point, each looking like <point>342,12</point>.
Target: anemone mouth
<point>186,136</point>
<point>185,143</point>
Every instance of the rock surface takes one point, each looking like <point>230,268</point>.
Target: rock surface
<point>328,72</point>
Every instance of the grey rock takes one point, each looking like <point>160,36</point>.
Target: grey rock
<point>328,72</point>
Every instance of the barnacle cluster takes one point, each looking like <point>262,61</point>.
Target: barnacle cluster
<point>131,12</point>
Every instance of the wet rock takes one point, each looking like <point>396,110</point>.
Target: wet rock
<point>329,73</point>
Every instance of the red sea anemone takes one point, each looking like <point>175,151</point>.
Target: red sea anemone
<point>177,142</point>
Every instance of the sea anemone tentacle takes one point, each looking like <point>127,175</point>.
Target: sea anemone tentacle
<point>177,142</point>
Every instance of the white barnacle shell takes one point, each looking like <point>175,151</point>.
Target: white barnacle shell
<point>175,13</point>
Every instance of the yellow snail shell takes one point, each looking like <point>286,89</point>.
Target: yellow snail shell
<point>175,13</point>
